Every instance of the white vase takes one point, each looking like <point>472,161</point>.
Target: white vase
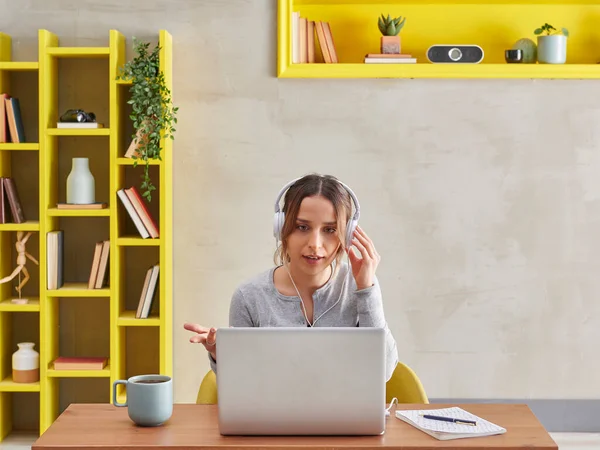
<point>81,188</point>
<point>552,49</point>
<point>26,364</point>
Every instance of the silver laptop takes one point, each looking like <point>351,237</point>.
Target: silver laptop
<point>301,381</point>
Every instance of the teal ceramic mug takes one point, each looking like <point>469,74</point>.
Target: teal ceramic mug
<point>149,399</point>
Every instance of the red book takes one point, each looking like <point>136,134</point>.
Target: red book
<point>79,363</point>
<point>142,211</point>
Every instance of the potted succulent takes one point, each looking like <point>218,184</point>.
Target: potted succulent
<point>153,113</point>
<point>552,44</point>
<point>390,28</point>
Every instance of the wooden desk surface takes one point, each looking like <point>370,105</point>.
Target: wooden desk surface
<point>96,426</point>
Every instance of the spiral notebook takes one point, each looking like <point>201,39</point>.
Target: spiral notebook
<point>448,430</point>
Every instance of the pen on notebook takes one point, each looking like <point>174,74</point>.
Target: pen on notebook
<point>450,419</point>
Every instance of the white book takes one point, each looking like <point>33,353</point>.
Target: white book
<point>133,214</point>
<point>79,125</point>
<point>443,430</point>
<point>150,293</point>
<point>390,60</point>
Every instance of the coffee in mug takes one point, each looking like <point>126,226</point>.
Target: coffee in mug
<point>149,399</point>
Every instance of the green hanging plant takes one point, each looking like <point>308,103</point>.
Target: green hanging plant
<point>153,112</point>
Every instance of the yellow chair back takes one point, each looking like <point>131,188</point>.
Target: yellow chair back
<point>404,385</point>
<point>207,394</point>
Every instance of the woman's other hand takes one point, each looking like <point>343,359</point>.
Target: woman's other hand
<point>204,336</point>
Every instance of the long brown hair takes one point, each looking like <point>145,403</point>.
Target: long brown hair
<point>311,185</point>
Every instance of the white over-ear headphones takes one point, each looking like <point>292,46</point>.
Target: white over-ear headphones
<point>279,218</point>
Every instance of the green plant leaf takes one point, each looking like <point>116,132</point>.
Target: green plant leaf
<point>538,31</point>
<point>381,26</point>
<point>153,113</point>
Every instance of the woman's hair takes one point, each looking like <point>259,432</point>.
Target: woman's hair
<point>309,186</point>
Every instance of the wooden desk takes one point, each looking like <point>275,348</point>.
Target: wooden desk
<point>97,426</point>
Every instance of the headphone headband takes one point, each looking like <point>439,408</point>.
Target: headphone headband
<point>287,186</point>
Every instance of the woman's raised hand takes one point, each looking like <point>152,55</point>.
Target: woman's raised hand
<point>204,336</point>
<point>365,265</point>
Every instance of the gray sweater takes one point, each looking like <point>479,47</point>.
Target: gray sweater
<point>257,303</point>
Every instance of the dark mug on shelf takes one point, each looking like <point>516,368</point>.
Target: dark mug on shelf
<point>514,55</point>
<point>148,398</point>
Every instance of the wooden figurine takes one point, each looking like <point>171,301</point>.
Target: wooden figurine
<point>22,256</point>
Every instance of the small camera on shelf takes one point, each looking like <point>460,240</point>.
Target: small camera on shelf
<point>78,115</point>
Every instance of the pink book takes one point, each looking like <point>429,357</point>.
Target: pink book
<point>79,363</point>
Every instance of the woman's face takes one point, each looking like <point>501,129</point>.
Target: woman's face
<point>314,243</point>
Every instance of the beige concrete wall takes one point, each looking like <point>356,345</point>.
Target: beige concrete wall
<point>481,196</point>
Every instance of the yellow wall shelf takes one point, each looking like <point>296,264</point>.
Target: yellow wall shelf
<point>117,296</point>
<point>494,25</point>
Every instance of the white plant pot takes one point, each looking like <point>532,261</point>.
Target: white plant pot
<point>81,188</point>
<point>552,49</point>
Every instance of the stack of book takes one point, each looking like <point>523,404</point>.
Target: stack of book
<point>304,42</point>
<point>143,220</point>
<point>389,58</point>
<point>98,273</point>
<point>11,124</point>
<point>148,291</point>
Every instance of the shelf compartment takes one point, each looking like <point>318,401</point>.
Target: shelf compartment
<point>31,146</point>
<point>355,34</point>
<point>78,290</point>
<point>29,225</point>
<point>32,306</point>
<point>125,82</point>
<point>78,131</point>
<point>19,66</point>
<point>127,319</point>
<point>130,161</point>
<point>8,385</point>
<point>52,372</point>
<point>138,242</point>
<point>79,212</point>
<point>79,52</point>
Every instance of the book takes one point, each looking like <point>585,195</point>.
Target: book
<point>97,205</point>
<point>443,430</point>
<point>4,131</point>
<point>142,211</point>
<point>103,265</point>
<point>12,195</point>
<point>310,40</point>
<point>13,116</point>
<point>148,293</point>
<point>79,125</point>
<point>388,55</point>
<point>2,207</point>
<point>390,60</point>
<point>80,363</point>
<point>95,265</point>
<point>133,214</point>
<point>55,259</point>
<point>322,42</point>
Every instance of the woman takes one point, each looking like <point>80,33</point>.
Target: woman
<point>310,285</point>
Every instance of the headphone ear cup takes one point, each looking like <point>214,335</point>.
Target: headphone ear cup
<point>278,225</point>
<point>350,232</point>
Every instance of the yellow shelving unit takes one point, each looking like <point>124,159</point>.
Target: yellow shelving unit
<point>45,305</point>
<point>494,25</point>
